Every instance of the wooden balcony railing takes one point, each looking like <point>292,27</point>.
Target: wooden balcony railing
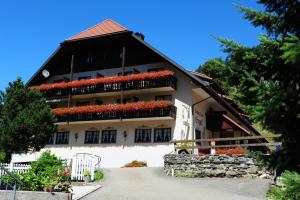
<point>211,143</point>
<point>110,84</point>
<point>131,112</point>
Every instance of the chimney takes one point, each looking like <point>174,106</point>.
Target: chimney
<point>139,35</point>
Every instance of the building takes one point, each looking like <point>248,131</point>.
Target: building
<point>117,97</point>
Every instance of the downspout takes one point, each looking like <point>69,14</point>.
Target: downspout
<point>123,71</point>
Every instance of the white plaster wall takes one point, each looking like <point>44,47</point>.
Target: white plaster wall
<point>183,102</point>
<point>113,155</point>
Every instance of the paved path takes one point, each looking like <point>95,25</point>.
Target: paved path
<point>152,184</point>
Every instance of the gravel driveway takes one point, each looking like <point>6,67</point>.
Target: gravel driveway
<point>151,184</point>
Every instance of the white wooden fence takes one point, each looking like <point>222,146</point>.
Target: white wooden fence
<point>82,162</point>
<point>15,167</point>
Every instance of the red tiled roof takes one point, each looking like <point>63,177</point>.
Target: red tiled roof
<point>201,75</point>
<point>106,27</point>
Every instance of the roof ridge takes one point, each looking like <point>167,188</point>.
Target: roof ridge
<point>108,29</point>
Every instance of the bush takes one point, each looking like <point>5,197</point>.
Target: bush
<point>262,160</point>
<point>231,151</point>
<point>48,165</point>
<point>136,163</point>
<point>31,181</point>
<point>48,172</point>
<point>98,175</point>
<point>290,190</point>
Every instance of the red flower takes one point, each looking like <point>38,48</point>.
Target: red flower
<point>230,151</point>
<point>66,172</point>
<point>107,79</point>
<point>112,107</point>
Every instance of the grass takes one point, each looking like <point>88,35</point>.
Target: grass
<point>183,175</point>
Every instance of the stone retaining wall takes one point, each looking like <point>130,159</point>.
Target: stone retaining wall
<point>229,166</point>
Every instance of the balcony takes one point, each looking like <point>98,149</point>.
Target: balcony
<point>136,111</point>
<point>162,80</point>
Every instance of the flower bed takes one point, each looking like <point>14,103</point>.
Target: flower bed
<point>231,151</point>
<point>112,107</point>
<point>136,163</point>
<point>104,80</point>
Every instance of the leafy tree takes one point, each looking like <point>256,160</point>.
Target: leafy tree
<point>26,121</point>
<point>265,79</point>
<point>216,68</point>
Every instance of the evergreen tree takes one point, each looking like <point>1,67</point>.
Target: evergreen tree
<point>216,68</point>
<point>265,79</point>
<point>26,121</point>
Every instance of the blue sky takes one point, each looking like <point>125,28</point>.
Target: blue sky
<point>31,30</point>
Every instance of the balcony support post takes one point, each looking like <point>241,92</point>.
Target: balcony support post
<point>71,78</point>
<point>123,71</point>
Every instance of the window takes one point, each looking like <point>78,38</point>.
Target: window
<point>51,139</point>
<point>226,134</point>
<point>164,97</point>
<point>135,99</point>
<point>62,138</point>
<point>198,136</point>
<point>54,105</point>
<point>125,100</point>
<point>162,134</point>
<point>82,103</point>
<point>155,69</point>
<point>125,73</point>
<point>136,71</point>
<point>99,102</point>
<point>142,135</point>
<point>58,80</point>
<point>109,136</point>
<point>84,77</point>
<point>99,75</point>
<point>89,58</point>
<point>91,137</point>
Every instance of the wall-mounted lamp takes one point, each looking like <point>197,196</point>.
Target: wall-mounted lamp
<point>76,136</point>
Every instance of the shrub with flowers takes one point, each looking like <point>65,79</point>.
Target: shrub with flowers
<point>48,173</point>
<point>112,107</point>
<point>136,163</point>
<point>231,151</point>
<point>104,80</point>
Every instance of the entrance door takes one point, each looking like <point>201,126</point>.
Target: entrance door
<point>198,136</point>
